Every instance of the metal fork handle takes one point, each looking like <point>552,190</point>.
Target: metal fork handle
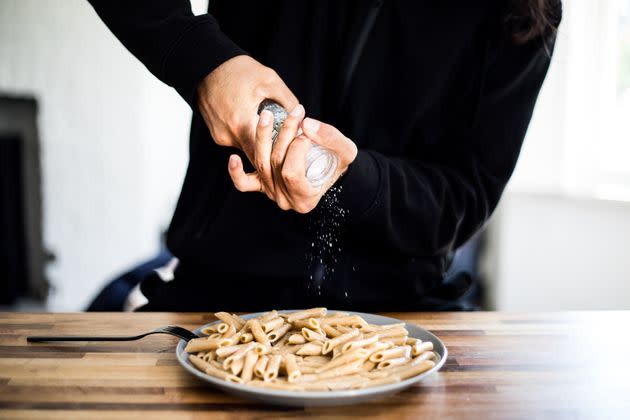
<point>39,339</point>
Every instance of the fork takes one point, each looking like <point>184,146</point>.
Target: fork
<point>180,332</point>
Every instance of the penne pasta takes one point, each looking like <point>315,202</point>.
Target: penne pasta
<point>427,355</point>
<point>231,330</point>
<point>210,329</point>
<point>311,335</point>
<point>346,382</point>
<point>230,319</point>
<point>272,325</point>
<point>355,344</point>
<point>330,331</point>
<point>423,347</point>
<point>262,349</point>
<point>213,371</point>
<point>311,323</point>
<point>421,367</point>
<point>377,328</point>
<point>248,367</point>
<point>277,385</point>
<point>291,367</point>
<point>319,360</point>
<point>260,366</point>
<point>393,353</point>
<point>353,321</point>
<point>331,344</point>
<point>381,381</point>
<point>268,316</point>
<point>222,328</point>
<point>278,333</point>
<point>237,366</point>
<point>368,366</point>
<point>203,344</point>
<point>228,350</point>
<point>282,341</point>
<point>399,361</point>
<point>309,313</point>
<point>393,332</point>
<point>297,339</point>
<point>240,320</point>
<point>216,364</point>
<point>238,354</point>
<point>396,341</point>
<point>273,367</point>
<point>343,328</point>
<point>344,369</point>
<point>257,331</point>
<point>336,352</point>
<point>288,349</point>
<point>211,355</point>
<point>307,369</point>
<point>352,356</point>
<point>309,350</point>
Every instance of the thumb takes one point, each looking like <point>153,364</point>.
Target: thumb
<point>242,181</point>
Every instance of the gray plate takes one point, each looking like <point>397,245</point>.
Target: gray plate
<point>321,398</point>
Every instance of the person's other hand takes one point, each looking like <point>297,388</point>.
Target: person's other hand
<point>281,167</point>
<point>229,97</point>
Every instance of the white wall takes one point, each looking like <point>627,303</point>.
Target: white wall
<point>555,253</point>
<point>114,141</point>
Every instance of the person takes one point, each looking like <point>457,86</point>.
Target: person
<point>425,105</point>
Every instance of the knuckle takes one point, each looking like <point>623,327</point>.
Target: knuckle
<point>290,177</point>
<point>221,141</point>
<point>238,186</point>
<point>284,205</point>
<point>292,122</point>
<point>270,75</point>
<point>304,207</point>
<point>353,148</point>
<point>233,123</point>
<point>260,166</point>
<point>261,91</point>
<point>276,158</point>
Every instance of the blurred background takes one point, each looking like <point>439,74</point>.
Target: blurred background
<point>93,151</point>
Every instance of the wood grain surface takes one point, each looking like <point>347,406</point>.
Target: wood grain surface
<point>569,365</point>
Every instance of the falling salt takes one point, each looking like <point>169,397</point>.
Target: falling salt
<point>324,228</point>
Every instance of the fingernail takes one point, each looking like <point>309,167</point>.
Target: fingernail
<point>265,118</point>
<point>311,125</point>
<point>297,111</point>
<point>233,162</point>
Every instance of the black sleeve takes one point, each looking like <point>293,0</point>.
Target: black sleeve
<point>417,208</point>
<point>179,48</point>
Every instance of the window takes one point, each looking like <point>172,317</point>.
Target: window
<point>579,139</point>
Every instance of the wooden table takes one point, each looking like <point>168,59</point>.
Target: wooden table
<point>526,366</point>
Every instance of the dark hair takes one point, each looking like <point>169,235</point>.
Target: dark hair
<point>527,20</point>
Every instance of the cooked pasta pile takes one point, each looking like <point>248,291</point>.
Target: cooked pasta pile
<point>309,350</point>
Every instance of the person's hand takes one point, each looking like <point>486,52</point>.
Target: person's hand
<point>281,167</point>
<point>229,97</point>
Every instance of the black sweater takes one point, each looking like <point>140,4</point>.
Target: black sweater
<point>436,96</point>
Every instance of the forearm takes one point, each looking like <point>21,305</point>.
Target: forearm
<point>179,48</point>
